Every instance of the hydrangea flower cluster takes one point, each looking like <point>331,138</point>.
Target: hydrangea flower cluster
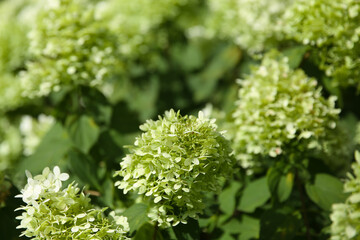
<point>345,217</point>
<point>69,46</point>
<point>173,163</point>
<point>134,22</point>
<point>14,25</point>
<point>32,130</point>
<point>251,24</point>
<point>332,28</point>
<point>279,111</point>
<point>10,147</point>
<point>55,213</point>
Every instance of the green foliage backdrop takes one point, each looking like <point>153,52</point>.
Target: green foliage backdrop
<point>180,119</point>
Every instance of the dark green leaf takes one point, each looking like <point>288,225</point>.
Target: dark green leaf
<point>273,178</point>
<point>248,227</point>
<point>285,186</point>
<point>325,191</point>
<point>189,231</point>
<point>147,232</point>
<point>137,216</point>
<point>84,167</point>
<point>275,225</point>
<point>50,152</point>
<point>83,132</point>
<point>255,195</point>
<point>227,198</point>
<point>204,83</point>
<point>295,55</point>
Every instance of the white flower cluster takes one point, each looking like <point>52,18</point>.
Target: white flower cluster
<point>345,217</point>
<point>279,111</point>
<point>332,28</point>
<point>254,25</point>
<point>33,130</point>
<point>53,213</point>
<point>173,163</point>
<point>69,46</point>
<point>14,26</point>
<point>135,21</point>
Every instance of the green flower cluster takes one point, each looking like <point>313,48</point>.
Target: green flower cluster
<point>332,28</point>
<point>135,21</point>
<point>10,147</point>
<point>53,213</point>
<point>15,21</point>
<point>69,46</point>
<point>32,130</point>
<point>345,217</point>
<point>254,25</point>
<point>280,111</point>
<point>173,163</point>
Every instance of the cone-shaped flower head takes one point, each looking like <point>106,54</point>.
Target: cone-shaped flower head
<point>173,163</point>
<point>279,111</point>
<point>69,46</point>
<point>255,25</point>
<point>345,217</point>
<point>332,28</point>
<point>55,213</point>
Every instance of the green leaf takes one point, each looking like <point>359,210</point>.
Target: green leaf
<point>248,227</point>
<point>273,178</point>
<point>188,56</point>
<point>50,152</point>
<point>189,231</point>
<point>285,186</point>
<point>83,132</point>
<point>325,191</point>
<point>204,83</point>
<point>147,232</point>
<point>84,167</point>
<point>275,225</point>
<point>226,236</point>
<point>255,195</point>
<point>227,198</point>
<point>136,215</point>
<point>295,55</point>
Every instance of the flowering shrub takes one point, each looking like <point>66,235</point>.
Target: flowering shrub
<point>78,77</point>
<point>174,161</point>
<point>55,213</point>
<point>280,112</point>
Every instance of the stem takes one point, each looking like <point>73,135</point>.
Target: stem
<point>303,205</point>
<point>155,231</point>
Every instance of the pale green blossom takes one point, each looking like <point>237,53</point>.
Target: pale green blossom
<point>174,161</point>
<point>332,28</point>
<point>55,213</point>
<point>280,112</point>
<point>16,18</point>
<point>345,217</point>
<point>68,46</point>
<point>254,25</point>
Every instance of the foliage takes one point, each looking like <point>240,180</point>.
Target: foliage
<point>268,95</point>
